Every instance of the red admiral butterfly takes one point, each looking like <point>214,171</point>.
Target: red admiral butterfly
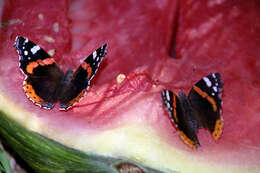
<point>202,108</point>
<point>45,83</point>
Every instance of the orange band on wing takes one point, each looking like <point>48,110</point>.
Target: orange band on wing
<point>30,92</point>
<point>205,95</point>
<point>187,140</point>
<point>76,99</point>
<point>174,109</point>
<point>32,65</point>
<point>86,67</point>
<point>218,128</point>
<point>48,61</point>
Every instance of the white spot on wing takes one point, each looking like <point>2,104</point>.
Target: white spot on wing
<point>24,83</point>
<point>35,49</point>
<point>25,52</point>
<point>207,81</point>
<point>213,75</point>
<point>215,89</point>
<point>56,27</point>
<point>94,55</point>
<point>168,96</point>
<point>163,93</point>
<point>168,105</point>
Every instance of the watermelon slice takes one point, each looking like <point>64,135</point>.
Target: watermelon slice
<point>120,125</point>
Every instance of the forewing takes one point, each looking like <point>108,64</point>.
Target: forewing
<point>183,121</point>
<point>42,73</point>
<point>80,81</point>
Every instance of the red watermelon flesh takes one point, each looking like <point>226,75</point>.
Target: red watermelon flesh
<point>206,36</point>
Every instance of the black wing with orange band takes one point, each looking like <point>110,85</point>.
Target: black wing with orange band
<point>73,91</point>
<point>206,100</point>
<point>182,117</point>
<point>42,73</point>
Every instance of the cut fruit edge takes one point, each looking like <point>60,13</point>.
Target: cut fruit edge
<point>134,141</point>
<point>46,155</point>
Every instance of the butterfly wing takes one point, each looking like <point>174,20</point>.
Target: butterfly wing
<point>206,99</point>
<point>75,85</point>
<point>181,117</point>
<point>42,73</point>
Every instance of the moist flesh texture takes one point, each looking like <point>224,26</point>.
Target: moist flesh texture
<point>156,45</point>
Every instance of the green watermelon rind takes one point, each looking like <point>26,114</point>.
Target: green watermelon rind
<point>48,156</point>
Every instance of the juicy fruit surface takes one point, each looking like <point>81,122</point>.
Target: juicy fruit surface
<point>215,36</point>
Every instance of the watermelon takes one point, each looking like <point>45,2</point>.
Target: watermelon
<point>121,125</point>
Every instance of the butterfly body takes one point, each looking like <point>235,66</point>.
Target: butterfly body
<point>201,108</point>
<point>45,83</point>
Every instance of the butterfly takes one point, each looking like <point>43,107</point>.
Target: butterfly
<point>45,83</point>
<point>201,108</point>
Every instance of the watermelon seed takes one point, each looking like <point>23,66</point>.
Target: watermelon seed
<point>40,16</point>
<point>56,27</point>
<point>51,52</point>
<point>48,39</point>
